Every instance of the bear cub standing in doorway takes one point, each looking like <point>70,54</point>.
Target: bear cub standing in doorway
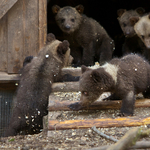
<point>89,41</point>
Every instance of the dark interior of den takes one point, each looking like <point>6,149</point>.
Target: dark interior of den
<point>105,12</point>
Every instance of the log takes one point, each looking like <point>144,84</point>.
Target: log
<point>98,105</point>
<point>72,71</point>
<point>100,123</point>
<point>65,87</point>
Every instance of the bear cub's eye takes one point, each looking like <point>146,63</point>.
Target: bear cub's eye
<point>72,19</point>
<point>62,20</point>
<point>85,93</point>
<point>124,24</point>
<point>142,36</point>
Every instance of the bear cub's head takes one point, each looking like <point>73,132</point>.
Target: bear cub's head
<point>127,20</point>
<point>142,29</point>
<point>68,18</point>
<point>59,50</point>
<point>93,82</point>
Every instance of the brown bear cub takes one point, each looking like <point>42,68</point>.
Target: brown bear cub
<point>123,77</point>
<point>34,88</point>
<point>142,29</point>
<point>126,19</point>
<point>89,41</point>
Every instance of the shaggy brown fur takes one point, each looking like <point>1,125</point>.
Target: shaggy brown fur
<point>89,42</point>
<point>127,19</point>
<point>123,77</point>
<point>35,86</point>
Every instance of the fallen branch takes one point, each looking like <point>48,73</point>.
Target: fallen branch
<point>129,139</point>
<point>101,123</point>
<point>101,105</point>
<point>104,135</point>
<point>138,145</point>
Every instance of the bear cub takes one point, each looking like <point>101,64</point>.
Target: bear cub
<point>126,18</point>
<point>89,41</point>
<point>123,77</point>
<point>34,88</point>
<point>142,29</point>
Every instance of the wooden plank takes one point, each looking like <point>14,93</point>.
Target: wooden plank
<point>5,5</point>
<point>100,123</point>
<point>3,44</point>
<point>42,22</point>
<point>31,27</point>
<point>15,37</point>
<point>7,77</point>
<point>23,28</point>
<point>98,105</point>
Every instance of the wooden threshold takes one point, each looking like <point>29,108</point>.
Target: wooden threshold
<point>12,78</point>
<point>8,78</point>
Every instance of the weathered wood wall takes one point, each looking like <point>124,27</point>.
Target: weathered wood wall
<point>23,30</point>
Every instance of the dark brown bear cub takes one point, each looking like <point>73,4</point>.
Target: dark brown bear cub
<point>89,42</point>
<point>36,80</point>
<point>126,18</point>
<point>123,77</point>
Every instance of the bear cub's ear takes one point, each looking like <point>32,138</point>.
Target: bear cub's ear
<point>120,12</point>
<point>55,9</point>
<point>95,76</point>
<point>50,37</point>
<point>140,10</point>
<point>63,47</point>
<point>80,8</point>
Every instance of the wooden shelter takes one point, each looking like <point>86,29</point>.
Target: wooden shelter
<point>23,30</point>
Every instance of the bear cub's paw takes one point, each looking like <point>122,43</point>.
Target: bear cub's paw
<point>75,106</point>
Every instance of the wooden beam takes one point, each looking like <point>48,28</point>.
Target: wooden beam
<point>6,78</point>
<point>98,105</point>
<point>42,23</point>
<point>5,5</point>
<point>100,123</point>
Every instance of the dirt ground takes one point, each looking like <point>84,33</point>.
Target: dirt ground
<point>74,139</point>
